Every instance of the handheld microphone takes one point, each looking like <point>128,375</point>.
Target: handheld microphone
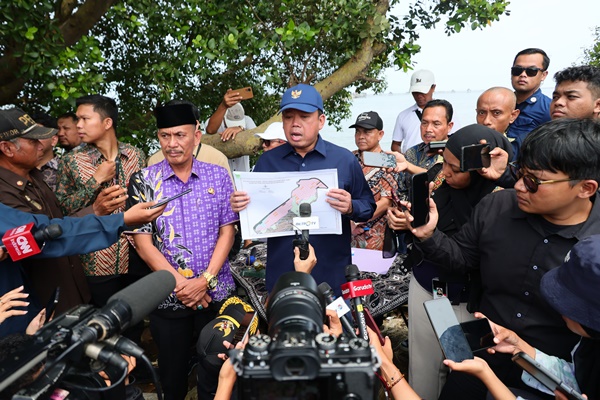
<point>21,242</point>
<point>353,290</point>
<point>129,306</point>
<point>302,244</point>
<point>327,293</point>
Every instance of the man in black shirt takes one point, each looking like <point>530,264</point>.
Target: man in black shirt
<point>515,236</point>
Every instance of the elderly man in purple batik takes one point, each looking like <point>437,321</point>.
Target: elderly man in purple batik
<point>191,240</point>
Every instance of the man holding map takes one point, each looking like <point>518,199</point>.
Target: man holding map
<point>303,118</point>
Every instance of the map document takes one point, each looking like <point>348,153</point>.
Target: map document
<point>275,199</point>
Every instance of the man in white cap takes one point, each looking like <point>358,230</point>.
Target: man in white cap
<point>273,136</point>
<point>407,131</point>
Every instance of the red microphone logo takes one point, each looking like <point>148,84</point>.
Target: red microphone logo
<point>360,288</point>
<point>20,243</point>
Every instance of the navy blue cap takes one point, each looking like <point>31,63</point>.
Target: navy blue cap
<point>302,97</point>
<point>572,288</point>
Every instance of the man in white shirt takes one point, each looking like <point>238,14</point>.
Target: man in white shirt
<point>407,131</point>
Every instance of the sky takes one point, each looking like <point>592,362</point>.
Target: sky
<point>482,58</point>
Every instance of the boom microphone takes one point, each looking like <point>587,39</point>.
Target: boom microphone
<point>129,306</point>
<point>327,293</point>
<point>21,242</point>
<point>354,289</point>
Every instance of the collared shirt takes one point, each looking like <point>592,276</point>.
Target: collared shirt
<point>34,196</point>
<point>333,251</point>
<point>78,189</point>
<point>534,112</point>
<point>383,185</point>
<point>79,235</point>
<point>50,171</point>
<point>512,250</point>
<point>408,128</point>
<point>416,155</point>
<point>187,232</point>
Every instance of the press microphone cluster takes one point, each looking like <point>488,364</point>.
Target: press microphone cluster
<point>21,242</point>
<point>354,289</point>
<point>327,293</point>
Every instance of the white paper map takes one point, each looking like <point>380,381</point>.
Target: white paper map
<point>275,199</point>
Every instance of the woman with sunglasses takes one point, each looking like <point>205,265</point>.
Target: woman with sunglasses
<point>456,193</point>
<point>514,236</point>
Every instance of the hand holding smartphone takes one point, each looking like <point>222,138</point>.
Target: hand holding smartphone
<point>246,92</point>
<point>168,199</point>
<point>449,333</point>
<point>474,157</point>
<point>382,160</point>
<point>51,305</point>
<point>419,199</point>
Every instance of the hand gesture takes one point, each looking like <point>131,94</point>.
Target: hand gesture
<point>231,98</point>
<point>109,200</point>
<point>10,300</point>
<point>239,201</point>
<point>141,213</point>
<point>105,172</point>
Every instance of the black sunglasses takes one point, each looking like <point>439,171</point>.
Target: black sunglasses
<point>531,182</point>
<point>530,71</point>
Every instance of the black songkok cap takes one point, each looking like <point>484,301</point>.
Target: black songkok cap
<point>174,115</point>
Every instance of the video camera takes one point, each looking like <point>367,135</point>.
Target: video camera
<point>69,351</point>
<point>298,360</point>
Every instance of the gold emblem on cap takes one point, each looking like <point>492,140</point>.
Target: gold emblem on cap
<point>296,93</point>
<point>211,191</point>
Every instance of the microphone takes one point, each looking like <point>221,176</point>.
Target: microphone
<point>354,289</point>
<point>129,306</point>
<point>327,293</point>
<point>302,244</point>
<point>21,242</point>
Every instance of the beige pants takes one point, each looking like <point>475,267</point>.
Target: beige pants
<point>426,371</point>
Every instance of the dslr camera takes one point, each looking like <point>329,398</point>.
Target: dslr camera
<point>297,360</point>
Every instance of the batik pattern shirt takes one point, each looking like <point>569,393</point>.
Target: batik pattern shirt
<point>383,185</point>
<point>78,189</point>
<point>49,172</point>
<point>187,231</point>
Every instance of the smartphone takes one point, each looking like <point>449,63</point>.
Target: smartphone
<point>246,92</point>
<point>475,156</point>
<point>168,199</point>
<point>544,376</point>
<point>479,334</point>
<point>379,159</point>
<point>51,305</point>
<point>419,199</point>
<point>437,145</point>
<point>449,333</point>
<point>373,325</point>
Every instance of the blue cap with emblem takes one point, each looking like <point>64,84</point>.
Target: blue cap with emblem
<point>302,97</point>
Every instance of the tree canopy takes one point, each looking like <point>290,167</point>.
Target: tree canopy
<point>147,52</point>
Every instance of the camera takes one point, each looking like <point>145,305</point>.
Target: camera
<point>297,359</point>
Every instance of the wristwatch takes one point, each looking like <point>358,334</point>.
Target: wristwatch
<point>211,280</point>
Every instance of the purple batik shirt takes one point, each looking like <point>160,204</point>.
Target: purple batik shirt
<point>187,231</point>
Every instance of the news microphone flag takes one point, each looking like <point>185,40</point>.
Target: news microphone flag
<point>20,243</point>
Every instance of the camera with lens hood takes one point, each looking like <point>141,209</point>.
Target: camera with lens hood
<point>297,359</point>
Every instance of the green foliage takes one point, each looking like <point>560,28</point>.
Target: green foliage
<point>592,55</point>
<point>146,52</point>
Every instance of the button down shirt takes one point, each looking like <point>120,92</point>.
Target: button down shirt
<point>512,250</point>
<point>534,111</point>
<point>187,232</point>
<point>333,251</point>
<point>78,189</point>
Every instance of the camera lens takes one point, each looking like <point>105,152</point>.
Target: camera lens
<point>295,305</point>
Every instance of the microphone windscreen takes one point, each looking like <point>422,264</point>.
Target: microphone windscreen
<point>52,231</point>
<point>146,294</point>
<point>352,272</point>
<point>324,288</point>
<point>305,210</point>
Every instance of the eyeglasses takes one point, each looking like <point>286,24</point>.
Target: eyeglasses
<point>267,142</point>
<point>531,182</point>
<point>530,71</point>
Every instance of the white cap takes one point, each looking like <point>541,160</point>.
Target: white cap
<point>273,131</point>
<point>235,116</point>
<point>421,81</point>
